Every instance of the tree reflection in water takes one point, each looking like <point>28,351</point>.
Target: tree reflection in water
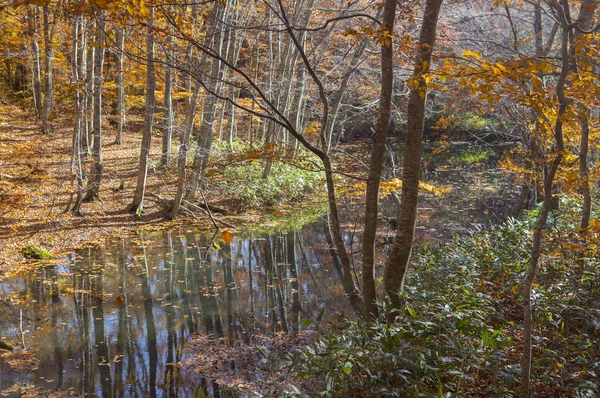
<point>113,321</point>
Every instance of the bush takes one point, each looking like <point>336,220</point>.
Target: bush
<point>34,252</point>
<point>290,180</point>
<point>459,334</point>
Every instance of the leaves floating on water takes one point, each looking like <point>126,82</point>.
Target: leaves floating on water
<point>120,301</point>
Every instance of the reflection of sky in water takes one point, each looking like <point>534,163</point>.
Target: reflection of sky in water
<point>111,321</point>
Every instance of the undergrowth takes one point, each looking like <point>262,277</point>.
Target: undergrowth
<point>240,174</point>
<point>460,333</point>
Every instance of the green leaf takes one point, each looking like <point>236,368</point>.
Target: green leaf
<point>411,312</point>
<point>307,322</point>
<point>347,368</point>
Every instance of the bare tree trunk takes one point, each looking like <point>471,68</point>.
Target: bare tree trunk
<point>87,89</point>
<point>137,205</point>
<point>76,162</point>
<point>120,99</point>
<point>377,155</point>
<point>35,64</point>
<point>205,136</point>
<point>49,54</point>
<point>397,264</point>
<point>188,129</point>
<point>586,211</point>
<point>167,136</point>
<point>562,10</point>
<point>96,166</point>
<point>182,154</point>
<point>585,21</point>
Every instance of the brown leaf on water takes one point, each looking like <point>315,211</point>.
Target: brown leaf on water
<point>120,301</point>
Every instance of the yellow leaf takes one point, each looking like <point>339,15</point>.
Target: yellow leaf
<point>474,54</point>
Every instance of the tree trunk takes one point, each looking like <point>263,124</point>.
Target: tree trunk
<point>377,155</point>
<point>120,99</point>
<point>35,65</point>
<point>165,158</point>
<point>205,136</point>
<point>586,22</point>
<point>90,94</point>
<point>397,264</point>
<point>182,154</point>
<point>562,10</point>
<point>96,166</point>
<point>76,162</point>
<point>137,205</point>
<point>586,211</point>
<point>49,54</point>
<point>188,128</point>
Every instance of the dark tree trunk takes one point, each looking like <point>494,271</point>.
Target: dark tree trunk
<point>377,155</point>
<point>397,264</point>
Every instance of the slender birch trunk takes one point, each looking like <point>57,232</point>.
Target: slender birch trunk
<point>137,205</point>
<point>49,55</point>
<point>165,159</point>
<point>76,162</point>
<point>562,10</point>
<point>205,135</point>
<point>35,64</point>
<point>90,95</point>
<point>120,99</point>
<point>96,166</point>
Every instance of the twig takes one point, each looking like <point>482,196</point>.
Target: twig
<point>208,210</point>
<point>215,218</point>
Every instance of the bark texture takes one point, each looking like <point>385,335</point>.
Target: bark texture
<point>48,57</point>
<point>377,155</point>
<point>120,99</point>
<point>96,166</point>
<point>562,11</point>
<point>137,204</point>
<point>397,264</point>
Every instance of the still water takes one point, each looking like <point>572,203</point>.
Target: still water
<point>113,322</point>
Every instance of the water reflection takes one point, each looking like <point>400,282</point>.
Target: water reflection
<point>113,322</point>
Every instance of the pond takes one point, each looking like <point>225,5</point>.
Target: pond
<point>113,321</point>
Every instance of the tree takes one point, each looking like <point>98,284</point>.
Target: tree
<point>35,63</point>
<point>120,98</point>
<point>165,159</point>
<point>137,205</point>
<point>48,57</point>
<point>96,166</point>
<point>397,263</point>
<point>377,155</point>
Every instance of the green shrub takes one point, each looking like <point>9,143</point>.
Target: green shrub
<point>288,181</point>
<point>459,334</point>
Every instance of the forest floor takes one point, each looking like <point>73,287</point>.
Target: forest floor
<point>35,186</point>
